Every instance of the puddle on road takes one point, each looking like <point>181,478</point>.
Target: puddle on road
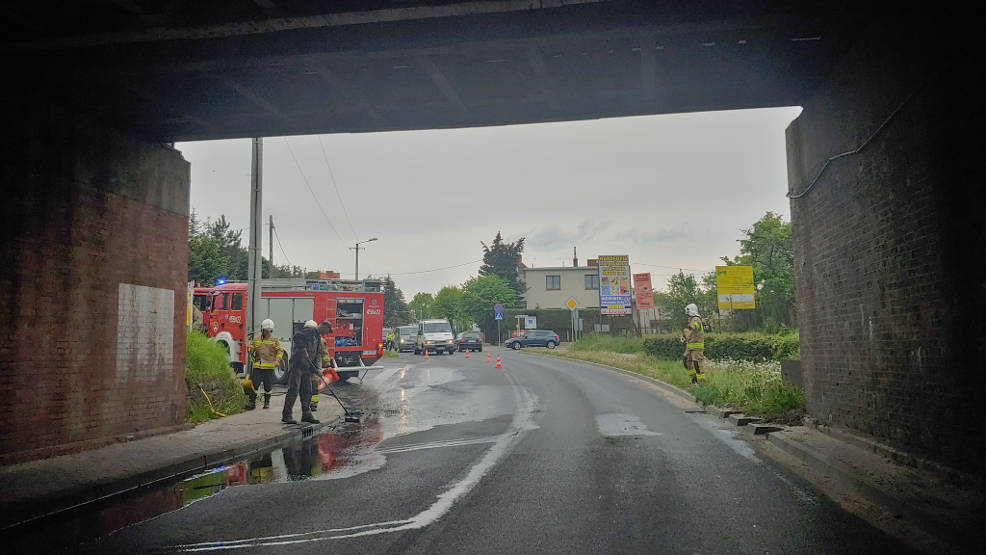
<point>330,455</point>
<point>394,403</point>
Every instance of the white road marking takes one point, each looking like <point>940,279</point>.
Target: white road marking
<point>523,422</point>
<point>437,444</point>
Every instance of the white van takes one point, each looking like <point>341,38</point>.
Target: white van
<point>436,336</point>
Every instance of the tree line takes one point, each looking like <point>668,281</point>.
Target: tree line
<point>766,246</point>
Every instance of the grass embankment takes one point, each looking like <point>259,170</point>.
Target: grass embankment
<point>389,354</point>
<point>753,387</point>
<point>207,366</point>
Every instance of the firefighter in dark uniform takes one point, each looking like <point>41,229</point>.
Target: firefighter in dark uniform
<point>306,354</point>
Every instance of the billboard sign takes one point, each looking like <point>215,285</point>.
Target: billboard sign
<point>734,285</point>
<point>615,293</point>
<point>643,291</point>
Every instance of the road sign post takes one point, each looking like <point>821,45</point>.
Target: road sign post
<point>498,316</point>
<point>573,307</point>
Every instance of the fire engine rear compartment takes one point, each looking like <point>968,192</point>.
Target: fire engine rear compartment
<point>348,331</point>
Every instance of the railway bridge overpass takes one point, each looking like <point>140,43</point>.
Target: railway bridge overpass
<point>883,173</point>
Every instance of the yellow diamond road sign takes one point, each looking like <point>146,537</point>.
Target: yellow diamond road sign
<point>571,303</point>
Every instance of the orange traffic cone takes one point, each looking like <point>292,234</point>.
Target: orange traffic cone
<point>467,353</point>
<point>498,361</point>
<point>488,359</point>
<point>426,355</point>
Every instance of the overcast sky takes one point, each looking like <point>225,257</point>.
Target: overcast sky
<point>672,191</point>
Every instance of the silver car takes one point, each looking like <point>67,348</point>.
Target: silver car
<point>404,338</point>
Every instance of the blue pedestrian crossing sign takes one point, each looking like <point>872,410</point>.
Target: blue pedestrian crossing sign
<point>498,315</point>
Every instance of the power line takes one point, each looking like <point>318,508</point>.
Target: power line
<point>666,267</point>
<point>310,190</point>
<point>436,269</point>
<point>290,265</point>
<point>336,187</point>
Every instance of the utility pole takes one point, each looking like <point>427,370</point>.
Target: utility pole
<point>255,263</point>
<point>270,244</point>
<point>357,248</point>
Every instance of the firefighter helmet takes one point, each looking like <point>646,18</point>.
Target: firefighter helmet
<point>311,324</point>
<point>267,324</point>
<point>691,309</point>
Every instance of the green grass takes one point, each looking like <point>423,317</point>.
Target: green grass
<point>207,366</point>
<point>389,354</point>
<point>610,343</point>
<point>752,387</point>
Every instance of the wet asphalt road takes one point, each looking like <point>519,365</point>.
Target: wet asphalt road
<point>546,455</point>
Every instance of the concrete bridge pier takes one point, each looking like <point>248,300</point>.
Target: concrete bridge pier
<point>889,239</point>
<point>93,270</point>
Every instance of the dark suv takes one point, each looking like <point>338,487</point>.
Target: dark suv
<point>533,338</point>
<point>469,340</point>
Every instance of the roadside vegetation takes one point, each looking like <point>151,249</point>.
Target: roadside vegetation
<point>752,385</point>
<point>207,368</point>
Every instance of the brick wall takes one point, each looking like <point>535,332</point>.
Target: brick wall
<point>887,245</point>
<point>89,209</point>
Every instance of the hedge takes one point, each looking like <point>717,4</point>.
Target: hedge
<point>735,346</point>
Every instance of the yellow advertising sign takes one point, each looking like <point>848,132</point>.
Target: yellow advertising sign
<point>735,287</point>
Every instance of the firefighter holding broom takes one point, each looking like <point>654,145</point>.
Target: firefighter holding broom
<point>266,353</point>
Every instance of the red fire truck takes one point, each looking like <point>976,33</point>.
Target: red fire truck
<point>355,309</point>
<point>202,298</point>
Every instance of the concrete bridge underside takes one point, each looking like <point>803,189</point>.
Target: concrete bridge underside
<point>886,232</point>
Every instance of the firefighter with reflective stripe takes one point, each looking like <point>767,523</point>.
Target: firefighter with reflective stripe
<point>266,353</point>
<point>693,336</point>
<point>316,379</point>
<point>306,356</point>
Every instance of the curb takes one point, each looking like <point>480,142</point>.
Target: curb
<point>925,521</point>
<point>98,491</point>
<point>674,390</point>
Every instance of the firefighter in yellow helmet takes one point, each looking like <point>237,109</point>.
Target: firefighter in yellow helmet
<point>316,377</point>
<point>693,336</point>
<point>266,353</point>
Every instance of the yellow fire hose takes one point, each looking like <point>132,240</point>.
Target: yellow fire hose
<point>208,400</point>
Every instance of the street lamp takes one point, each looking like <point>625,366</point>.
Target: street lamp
<point>357,249</point>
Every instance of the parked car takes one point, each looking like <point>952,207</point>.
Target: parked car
<point>404,338</point>
<point>469,340</point>
<point>434,336</point>
<point>533,338</point>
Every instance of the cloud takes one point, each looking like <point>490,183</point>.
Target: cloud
<point>653,236</point>
<point>554,237</point>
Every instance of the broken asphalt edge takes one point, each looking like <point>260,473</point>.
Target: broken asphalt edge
<point>102,490</point>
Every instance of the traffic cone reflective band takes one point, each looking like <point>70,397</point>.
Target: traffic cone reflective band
<point>498,361</point>
<point>488,359</point>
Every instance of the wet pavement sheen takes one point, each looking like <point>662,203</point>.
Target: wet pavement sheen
<point>455,456</point>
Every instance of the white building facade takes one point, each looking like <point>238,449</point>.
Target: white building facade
<point>552,287</point>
